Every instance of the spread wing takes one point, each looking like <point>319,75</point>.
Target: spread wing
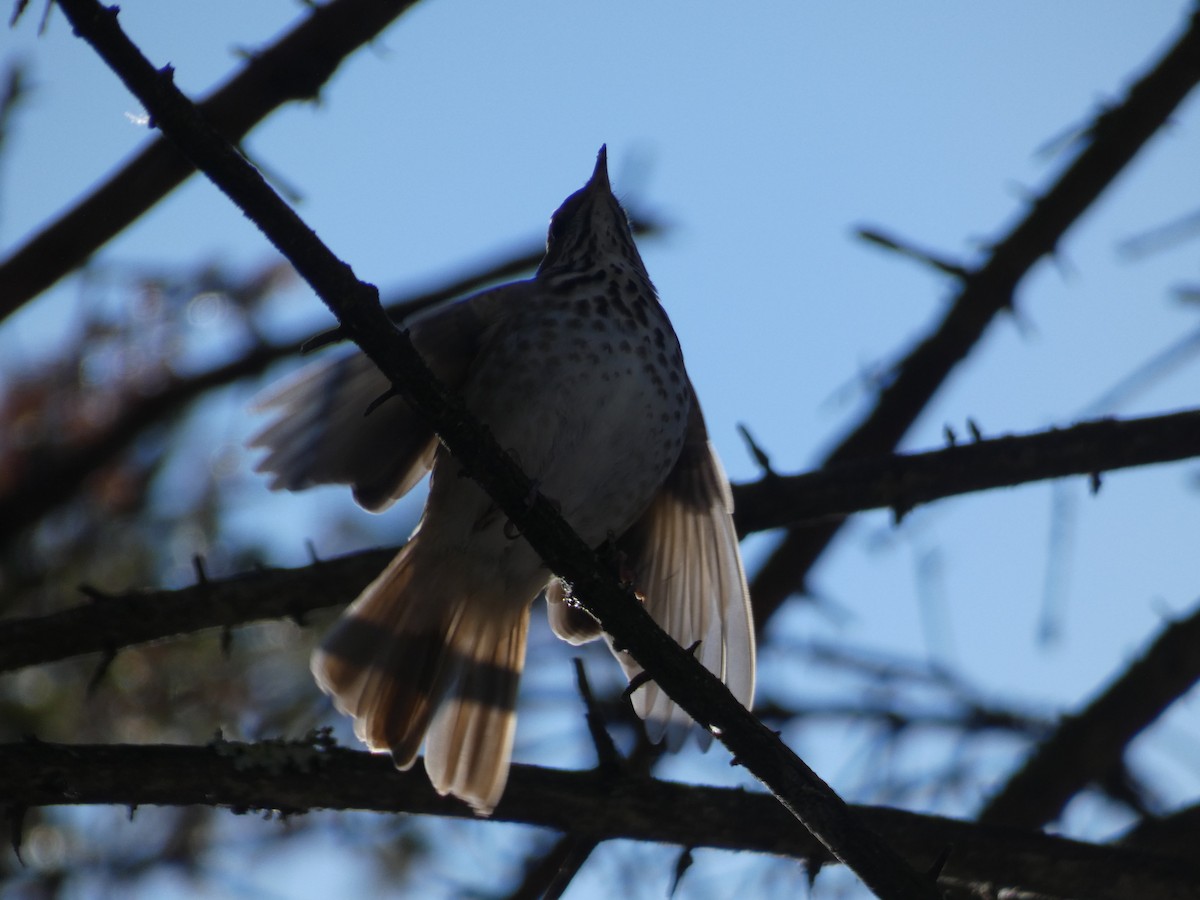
<point>686,563</point>
<point>320,434</point>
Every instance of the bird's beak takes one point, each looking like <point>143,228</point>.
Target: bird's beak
<point>599,179</point>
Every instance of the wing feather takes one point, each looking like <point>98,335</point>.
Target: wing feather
<point>684,553</point>
<point>320,433</point>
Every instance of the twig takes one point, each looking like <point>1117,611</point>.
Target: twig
<point>608,757</point>
<point>552,872</point>
<point>902,248</point>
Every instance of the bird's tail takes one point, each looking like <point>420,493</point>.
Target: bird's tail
<point>445,670</point>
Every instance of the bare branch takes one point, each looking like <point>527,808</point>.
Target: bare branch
<point>299,777</point>
<point>14,91</point>
<point>111,622</point>
<point>1114,138</point>
<point>901,482</point>
<point>905,249</point>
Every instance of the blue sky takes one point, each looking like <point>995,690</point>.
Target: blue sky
<point>763,134</point>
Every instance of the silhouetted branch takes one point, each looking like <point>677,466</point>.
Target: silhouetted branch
<point>14,91</point>
<point>110,622</point>
<point>293,68</point>
<point>295,778</point>
<point>1086,746</point>
<point>899,482</point>
<point>962,719</point>
<point>1171,835</point>
<point>903,248</point>
<point>903,481</point>
<point>549,875</point>
<point>1114,138</point>
<point>356,305</point>
<point>1161,237</point>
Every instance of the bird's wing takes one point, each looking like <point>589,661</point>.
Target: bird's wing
<point>684,554</point>
<point>321,435</point>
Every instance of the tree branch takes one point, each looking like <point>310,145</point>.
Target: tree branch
<point>111,622</point>
<point>903,481</point>
<point>1116,136</point>
<point>899,482</point>
<point>293,68</point>
<point>356,305</point>
<point>299,777</point>
<point>1087,746</point>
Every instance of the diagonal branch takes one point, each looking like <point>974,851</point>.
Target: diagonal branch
<point>897,482</point>
<point>1090,744</point>
<point>1116,136</point>
<point>356,305</point>
<point>300,777</point>
<point>293,68</point>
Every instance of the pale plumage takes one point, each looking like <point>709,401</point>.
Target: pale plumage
<point>579,375</point>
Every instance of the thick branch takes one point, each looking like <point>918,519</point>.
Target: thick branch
<point>294,68</point>
<point>899,482</point>
<point>297,778</point>
<point>356,305</point>
<point>1089,745</point>
<point>1115,138</point>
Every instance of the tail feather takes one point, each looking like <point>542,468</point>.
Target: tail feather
<point>404,666</point>
<point>470,741</point>
<point>684,553</point>
<point>382,665</point>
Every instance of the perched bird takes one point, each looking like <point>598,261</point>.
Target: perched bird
<point>579,375</point>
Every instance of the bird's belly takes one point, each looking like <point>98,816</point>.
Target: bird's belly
<point>594,409</point>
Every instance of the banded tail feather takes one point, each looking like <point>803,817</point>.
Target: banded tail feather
<point>404,664</point>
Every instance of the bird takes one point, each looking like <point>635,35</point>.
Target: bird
<point>579,375</point>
